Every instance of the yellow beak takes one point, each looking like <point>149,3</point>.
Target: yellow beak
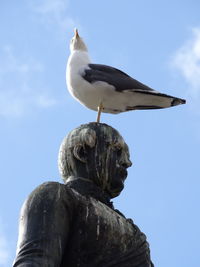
<point>76,33</point>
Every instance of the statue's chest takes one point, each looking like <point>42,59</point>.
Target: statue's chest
<point>106,225</point>
<point>99,233</point>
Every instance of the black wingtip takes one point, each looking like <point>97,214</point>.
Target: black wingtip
<point>178,101</point>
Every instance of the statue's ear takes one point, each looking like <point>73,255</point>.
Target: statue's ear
<point>80,153</point>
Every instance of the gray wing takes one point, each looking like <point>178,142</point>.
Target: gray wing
<point>119,79</point>
<point>122,82</point>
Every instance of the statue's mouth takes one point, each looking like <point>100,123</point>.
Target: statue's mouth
<point>123,173</point>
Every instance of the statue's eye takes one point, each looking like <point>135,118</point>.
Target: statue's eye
<point>107,144</point>
<point>118,148</point>
<point>119,152</point>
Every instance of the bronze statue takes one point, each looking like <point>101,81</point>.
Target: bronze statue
<point>75,224</point>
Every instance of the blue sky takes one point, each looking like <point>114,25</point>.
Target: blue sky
<point>156,42</point>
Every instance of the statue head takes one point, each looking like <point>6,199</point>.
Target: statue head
<point>96,152</point>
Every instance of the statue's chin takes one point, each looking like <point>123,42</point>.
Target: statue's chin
<point>116,192</point>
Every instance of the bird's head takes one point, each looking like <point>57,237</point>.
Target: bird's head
<point>77,43</point>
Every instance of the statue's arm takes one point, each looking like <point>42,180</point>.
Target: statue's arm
<point>44,227</point>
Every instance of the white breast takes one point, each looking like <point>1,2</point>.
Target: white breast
<point>88,94</point>
<point>77,62</point>
<point>91,95</point>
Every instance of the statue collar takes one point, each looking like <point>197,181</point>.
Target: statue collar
<point>87,188</point>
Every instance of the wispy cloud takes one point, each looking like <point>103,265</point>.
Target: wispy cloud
<point>186,61</point>
<point>54,13</point>
<point>18,92</point>
<point>4,252</point>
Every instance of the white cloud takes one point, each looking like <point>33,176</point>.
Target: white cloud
<point>54,12</point>
<point>4,252</point>
<point>45,101</point>
<point>187,61</point>
<point>10,63</point>
<point>19,93</point>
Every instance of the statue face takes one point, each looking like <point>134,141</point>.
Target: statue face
<point>118,162</point>
<point>108,162</point>
<point>96,152</point>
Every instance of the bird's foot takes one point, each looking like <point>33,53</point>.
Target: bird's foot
<point>100,108</point>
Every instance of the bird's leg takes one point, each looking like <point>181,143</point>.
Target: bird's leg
<point>100,108</point>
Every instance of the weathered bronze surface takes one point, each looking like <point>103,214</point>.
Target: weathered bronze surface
<point>75,224</point>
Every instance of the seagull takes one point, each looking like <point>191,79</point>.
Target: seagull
<point>106,89</point>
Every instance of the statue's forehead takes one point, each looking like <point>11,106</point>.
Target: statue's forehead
<point>89,137</point>
<point>116,140</point>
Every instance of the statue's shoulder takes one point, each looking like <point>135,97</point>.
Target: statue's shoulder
<point>50,192</point>
<point>49,188</point>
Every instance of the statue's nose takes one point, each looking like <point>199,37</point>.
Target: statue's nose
<point>126,163</point>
